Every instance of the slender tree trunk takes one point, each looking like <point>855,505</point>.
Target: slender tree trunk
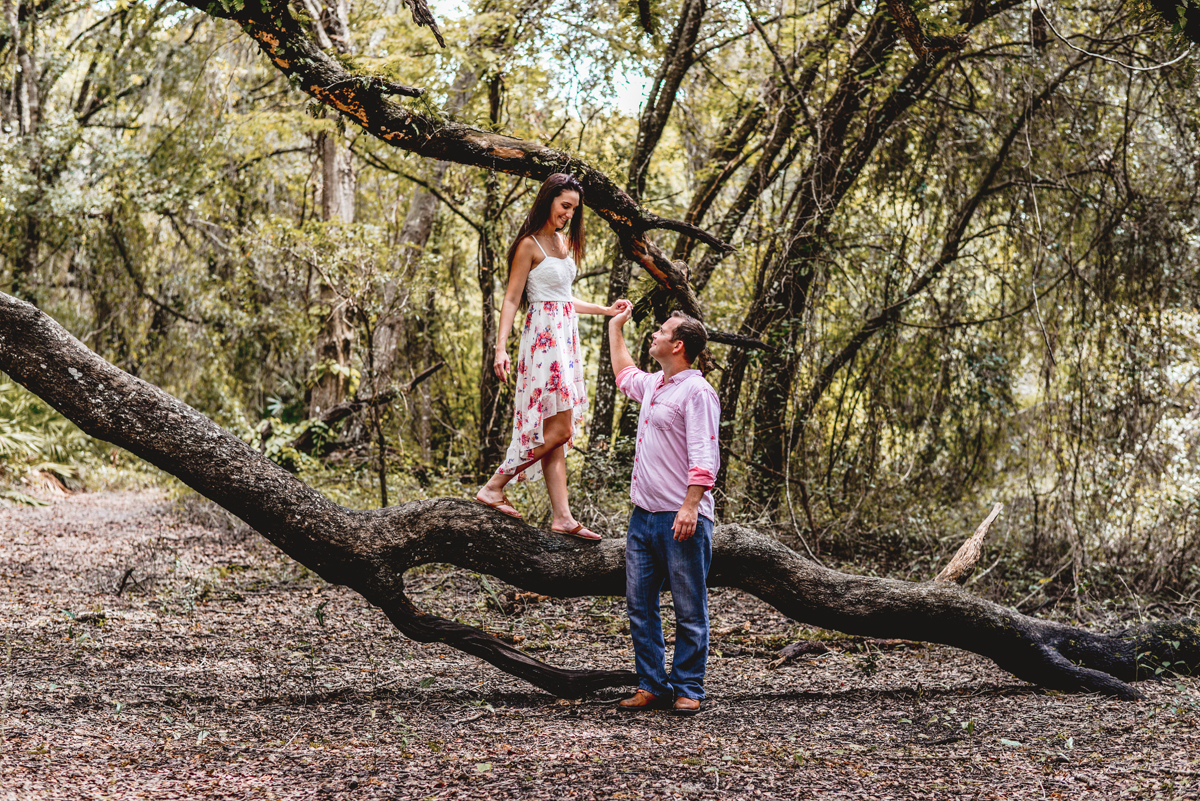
<point>334,348</point>
<point>422,345</point>
<point>338,179</point>
<point>768,428</point>
<point>677,60</point>
<point>605,397</point>
<point>391,339</point>
<point>414,236</point>
<point>25,259</point>
<point>796,269</point>
<point>27,113</point>
<point>492,406</point>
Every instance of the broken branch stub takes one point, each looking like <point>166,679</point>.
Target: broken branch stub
<point>962,565</point>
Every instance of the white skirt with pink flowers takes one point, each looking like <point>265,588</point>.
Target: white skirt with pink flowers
<point>549,378</point>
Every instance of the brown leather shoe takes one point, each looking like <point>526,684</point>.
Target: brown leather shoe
<point>641,701</point>
<point>686,706</point>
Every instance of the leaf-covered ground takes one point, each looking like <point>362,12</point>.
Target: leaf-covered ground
<point>150,651</point>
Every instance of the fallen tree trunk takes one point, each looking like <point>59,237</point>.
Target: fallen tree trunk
<point>369,551</point>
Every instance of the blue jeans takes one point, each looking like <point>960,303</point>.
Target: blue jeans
<point>652,559</point>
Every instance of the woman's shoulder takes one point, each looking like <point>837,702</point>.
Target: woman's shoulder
<point>526,254</point>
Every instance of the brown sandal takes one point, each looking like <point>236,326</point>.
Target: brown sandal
<point>578,534</point>
<point>503,506</point>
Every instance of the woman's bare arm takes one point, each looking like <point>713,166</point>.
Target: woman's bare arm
<point>583,307</point>
<point>522,264</point>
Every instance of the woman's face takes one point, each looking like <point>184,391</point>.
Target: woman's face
<point>563,208</point>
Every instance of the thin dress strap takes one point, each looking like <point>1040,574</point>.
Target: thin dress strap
<point>545,255</point>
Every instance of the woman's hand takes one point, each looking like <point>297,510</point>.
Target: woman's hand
<point>618,307</point>
<point>502,364</point>
<point>624,312</point>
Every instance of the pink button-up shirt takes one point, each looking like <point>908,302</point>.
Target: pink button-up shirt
<point>676,438</point>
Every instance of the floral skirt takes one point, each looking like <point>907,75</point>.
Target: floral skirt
<point>549,380</point>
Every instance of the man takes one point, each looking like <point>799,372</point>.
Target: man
<point>670,532</point>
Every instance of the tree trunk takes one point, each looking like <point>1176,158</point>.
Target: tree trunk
<point>604,399</point>
<point>678,57</point>
<point>414,235</point>
<point>792,275</point>
<point>370,551</point>
<point>26,111</point>
<point>334,347</point>
<point>492,408</point>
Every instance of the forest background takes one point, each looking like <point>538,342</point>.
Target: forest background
<point>974,272</point>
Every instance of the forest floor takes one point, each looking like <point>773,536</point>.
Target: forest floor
<point>156,651</point>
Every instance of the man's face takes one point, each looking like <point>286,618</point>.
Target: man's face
<point>662,341</point>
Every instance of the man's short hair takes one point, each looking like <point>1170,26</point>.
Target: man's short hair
<point>692,333</point>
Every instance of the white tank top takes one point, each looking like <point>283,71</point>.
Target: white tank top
<point>551,278</point>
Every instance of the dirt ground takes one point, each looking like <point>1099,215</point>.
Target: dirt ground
<point>155,651</point>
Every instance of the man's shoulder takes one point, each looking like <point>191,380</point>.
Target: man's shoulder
<point>697,385</point>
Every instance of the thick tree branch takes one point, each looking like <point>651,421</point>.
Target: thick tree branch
<point>369,551</point>
<point>923,46</point>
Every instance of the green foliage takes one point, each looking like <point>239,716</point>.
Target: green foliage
<point>35,437</point>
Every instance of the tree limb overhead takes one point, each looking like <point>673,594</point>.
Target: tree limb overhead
<point>363,100</point>
<point>922,45</point>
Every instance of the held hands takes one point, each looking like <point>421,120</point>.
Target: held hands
<point>621,311</point>
<point>502,364</point>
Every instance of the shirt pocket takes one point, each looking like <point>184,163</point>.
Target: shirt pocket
<point>665,416</point>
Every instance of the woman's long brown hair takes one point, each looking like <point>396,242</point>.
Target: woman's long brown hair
<point>552,187</point>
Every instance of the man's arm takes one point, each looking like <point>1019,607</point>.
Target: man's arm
<point>616,337</point>
<point>685,519</point>
<point>702,418</point>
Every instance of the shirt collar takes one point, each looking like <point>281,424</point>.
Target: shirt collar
<point>680,376</point>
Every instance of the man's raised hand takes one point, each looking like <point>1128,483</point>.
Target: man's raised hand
<point>624,312</point>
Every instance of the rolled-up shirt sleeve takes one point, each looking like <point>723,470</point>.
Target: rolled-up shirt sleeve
<point>633,383</point>
<point>703,412</point>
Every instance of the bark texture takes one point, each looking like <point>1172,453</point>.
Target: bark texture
<point>369,551</point>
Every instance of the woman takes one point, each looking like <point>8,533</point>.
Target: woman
<point>550,395</point>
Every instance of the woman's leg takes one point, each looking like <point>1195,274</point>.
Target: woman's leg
<point>556,432</point>
<point>554,471</point>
